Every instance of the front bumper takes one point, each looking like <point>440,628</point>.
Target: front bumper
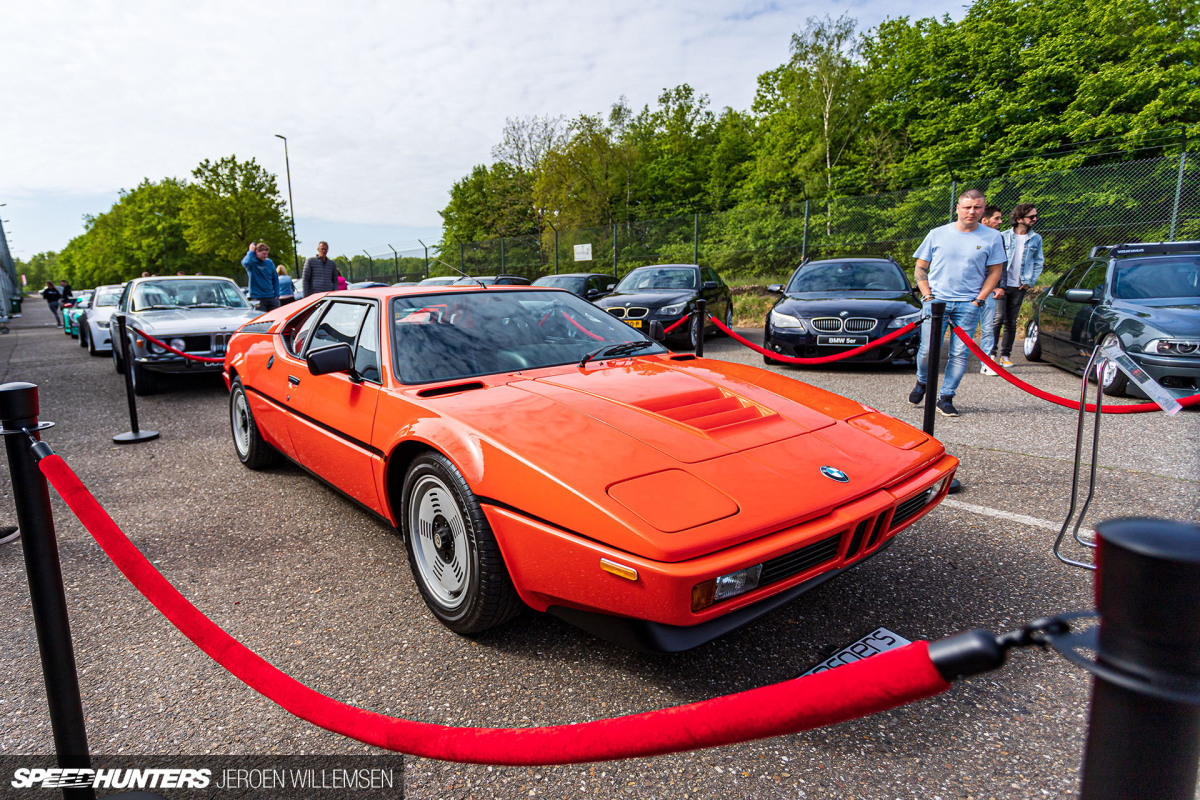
<point>654,610</point>
<point>1179,374</point>
<point>174,364</point>
<point>805,344</point>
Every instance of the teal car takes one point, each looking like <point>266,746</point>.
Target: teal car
<point>72,312</point>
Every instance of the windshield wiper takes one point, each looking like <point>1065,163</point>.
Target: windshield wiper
<point>619,349</point>
<point>207,305</point>
<point>156,307</point>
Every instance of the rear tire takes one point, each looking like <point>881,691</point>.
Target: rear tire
<point>1033,342</point>
<point>252,450</point>
<point>453,554</point>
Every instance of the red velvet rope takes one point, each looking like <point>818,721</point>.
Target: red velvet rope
<point>884,681</point>
<point>1129,408</point>
<point>677,323</point>
<point>166,346</point>
<point>820,359</point>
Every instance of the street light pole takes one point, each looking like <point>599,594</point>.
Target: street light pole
<point>291,206</point>
<point>395,262</point>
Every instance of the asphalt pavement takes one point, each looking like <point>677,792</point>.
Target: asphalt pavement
<point>322,590</point>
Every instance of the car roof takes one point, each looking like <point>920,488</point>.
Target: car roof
<point>401,291</point>
<point>1131,249</point>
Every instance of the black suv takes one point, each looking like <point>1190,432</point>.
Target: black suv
<point>1146,294</point>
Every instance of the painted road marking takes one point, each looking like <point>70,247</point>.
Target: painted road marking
<point>1032,522</point>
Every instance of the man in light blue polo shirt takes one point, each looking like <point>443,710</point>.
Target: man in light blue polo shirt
<point>959,264</point>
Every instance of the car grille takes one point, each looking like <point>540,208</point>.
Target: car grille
<point>205,343</point>
<point>872,526</point>
<point>911,506</point>
<point>837,325</point>
<point>629,313</point>
<point>800,560</point>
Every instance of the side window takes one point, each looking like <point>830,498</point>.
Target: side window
<point>1093,277</point>
<point>295,338</point>
<point>710,274</point>
<point>339,325</point>
<point>1068,278</point>
<point>366,357</point>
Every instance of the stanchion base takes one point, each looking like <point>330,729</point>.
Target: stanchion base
<point>130,437</point>
<point>955,486</point>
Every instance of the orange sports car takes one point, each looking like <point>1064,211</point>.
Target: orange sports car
<point>535,451</point>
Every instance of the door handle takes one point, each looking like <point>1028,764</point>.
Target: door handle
<point>293,380</point>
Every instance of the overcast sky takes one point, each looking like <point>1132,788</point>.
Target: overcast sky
<point>384,104</point>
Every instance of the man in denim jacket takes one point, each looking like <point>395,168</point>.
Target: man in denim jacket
<point>1025,261</point>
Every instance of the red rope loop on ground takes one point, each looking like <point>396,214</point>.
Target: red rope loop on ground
<point>1129,408</point>
<point>884,681</point>
<point>820,359</point>
<point>166,346</point>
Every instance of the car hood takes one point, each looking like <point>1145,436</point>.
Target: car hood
<point>874,304</point>
<point>1168,315</point>
<point>654,298</point>
<point>100,313</point>
<point>681,459</point>
<point>192,320</point>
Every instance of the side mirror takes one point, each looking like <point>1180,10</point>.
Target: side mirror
<point>592,293</point>
<point>775,288</point>
<point>612,286</point>
<point>710,284</point>
<point>656,331</point>
<point>335,358</point>
<point>1081,296</point>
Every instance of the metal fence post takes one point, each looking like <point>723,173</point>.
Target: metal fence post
<point>556,251</point>
<point>700,318</point>
<point>19,414</point>
<point>1144,731</point>
<point>804,241</point>
<point>501,254</point>
<point>696,238</point>
<point>937,313</point>
<point>1178,188</point>
<point>953,199</point>
<point>614,235</point>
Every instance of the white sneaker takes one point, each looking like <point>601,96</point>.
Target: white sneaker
<point>986,370</point>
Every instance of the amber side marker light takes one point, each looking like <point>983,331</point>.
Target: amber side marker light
<point>620,570</point>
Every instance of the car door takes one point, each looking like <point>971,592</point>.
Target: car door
<point>1081,337</point>
<point>714,292</point>
<point>333,415</point>
<point>1057,314</point>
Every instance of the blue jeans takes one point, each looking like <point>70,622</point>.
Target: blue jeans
<point>965,315</point>
<point>987,323</point>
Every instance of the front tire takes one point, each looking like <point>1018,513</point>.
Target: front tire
<point>118,364</point>
<point>145,382</point>
<point>695,332</point>
<point>1112,380</point>
<point>1033,342</point>
<point>454,557</point>
<point>252,450</point>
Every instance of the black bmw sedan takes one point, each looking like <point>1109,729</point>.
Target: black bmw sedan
<point>1146,294</point>
<point>831,306</point>
<point>668,293</point>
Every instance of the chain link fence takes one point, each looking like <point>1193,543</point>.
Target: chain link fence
<point>1155,199</point>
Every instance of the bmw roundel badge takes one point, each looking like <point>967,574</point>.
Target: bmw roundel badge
<point>833,473</point>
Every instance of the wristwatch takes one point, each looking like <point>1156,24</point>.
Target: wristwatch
<point>978,303</point>
<point>927,297</point>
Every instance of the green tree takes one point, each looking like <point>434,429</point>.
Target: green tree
<point>230,204</point>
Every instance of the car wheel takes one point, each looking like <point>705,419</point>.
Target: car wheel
<point>82,336</point>
<point>91,344</point>
<point>1112,380</point>
<point>728,318</point>
<point>144,381</point>
<point>453,554</point>
<point>1033,344</point>
<point>252,450</point>
<point>695,331</point>
<point>118,365</point>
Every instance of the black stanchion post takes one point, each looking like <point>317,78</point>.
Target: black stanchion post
<point>19,413</point>
<point>1144,734</point>
<point>937,311</point>
<point>133,435</point>
<point>699,322</point>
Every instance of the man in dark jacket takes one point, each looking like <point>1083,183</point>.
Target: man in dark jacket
<point>320,274</point>
<point>264,281</point>
<point>52,296</point>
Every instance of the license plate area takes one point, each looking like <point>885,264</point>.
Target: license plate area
<point>836,340</point>
<point>877,641</point>
<point>634,323</point>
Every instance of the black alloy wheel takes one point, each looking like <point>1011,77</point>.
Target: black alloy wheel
<point>453,554</point>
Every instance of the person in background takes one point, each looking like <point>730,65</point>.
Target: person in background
<point>993,217</point>
<point>341,282</point>
<point>287,289</point>
<point>52,297</point>
<point>264,281</point>
<point>320,273</point>
<point>1025,262</point>
<point>958,264</point>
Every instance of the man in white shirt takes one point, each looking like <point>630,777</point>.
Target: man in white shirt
<point>1025,262</point>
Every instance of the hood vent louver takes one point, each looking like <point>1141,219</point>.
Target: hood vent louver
<point>707,409</point>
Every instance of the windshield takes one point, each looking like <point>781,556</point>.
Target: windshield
<point>842,276</point>
<point>569,282</point>
<point>187,293</point>
<point>1173,276</point>
<point>107,297</point>
<point>440,337</point>
<point>659,278</point>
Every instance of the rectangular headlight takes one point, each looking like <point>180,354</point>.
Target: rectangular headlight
<point>724,587</point>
